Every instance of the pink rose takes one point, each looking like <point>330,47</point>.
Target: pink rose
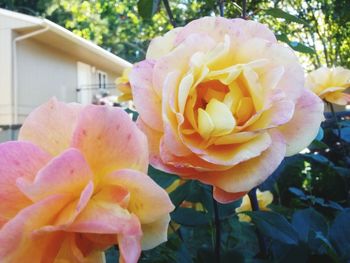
<point>75,184</point>
<point>221,101</point>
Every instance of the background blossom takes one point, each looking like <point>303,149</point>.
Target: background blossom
<point>75,184</point>
<point>264,199</point>
<point>330,84</point>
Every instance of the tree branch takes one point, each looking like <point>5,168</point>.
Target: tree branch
<point>169,12</point>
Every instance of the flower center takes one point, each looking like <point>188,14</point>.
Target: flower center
<point>220,107</point>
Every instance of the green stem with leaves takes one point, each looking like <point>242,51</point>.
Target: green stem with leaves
<point>217,231</point>
<point>335,119</point>
<point>255,207</point>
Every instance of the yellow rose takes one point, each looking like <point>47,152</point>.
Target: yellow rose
<point>264,199</point>
<point>329,84</point>
<point>123,85</point>
<point>221,101</point>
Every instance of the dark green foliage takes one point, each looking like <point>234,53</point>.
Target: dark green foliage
<point>147,8</point>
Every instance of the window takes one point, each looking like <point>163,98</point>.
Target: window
<point>101,79</point>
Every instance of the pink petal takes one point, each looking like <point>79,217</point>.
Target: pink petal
<point>109,140</point>
<point>130,249</point>
<point>303,127</point>
<point>148,201</point>
<point>214,27</point>
<point>106,217</point>
<point>254,29</point>
<point>154,138</point>
<point>191,161</point>
<point>225,197</point>
<point>51,126</point>
<point>66,174</point>
<point>15,237</point>
<point>146,100</point>
<point>279,113</point>
<point>69,213</point>
<point>246,175</point>
<point>17,159</point>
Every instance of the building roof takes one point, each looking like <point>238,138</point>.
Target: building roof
<point>63,39</point>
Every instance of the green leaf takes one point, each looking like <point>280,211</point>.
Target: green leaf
<point>326,245</point>
<point>309,220</point>
<point>189,217</point>
<point>279,13</point>
<point>339,233</point>
<point>180,193</point>
<point>274,226</point>
<point>301,47</point>
<point>161,178</point>
<point>297,46</point>
<point>147,8</point>
<point>244,237</point>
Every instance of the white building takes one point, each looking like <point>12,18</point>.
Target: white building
<point>40,59</point>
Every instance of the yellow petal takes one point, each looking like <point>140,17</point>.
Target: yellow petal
<point>254,87</point>
<point>221,116</point>
<point>184,89</point>
<point>233,97</point>
<point>205,124</point>
<point>244,110</point>
<point>233,138</point>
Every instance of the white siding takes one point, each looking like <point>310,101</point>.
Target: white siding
<point>43,72</point>
<point>5,77</point>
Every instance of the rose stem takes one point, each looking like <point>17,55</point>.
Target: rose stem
<point>221,7</point>
<point>244,9</point>
<point>255,207</point>
<point>170,14</point>
<point>217,231</point>
<point>335,119</point>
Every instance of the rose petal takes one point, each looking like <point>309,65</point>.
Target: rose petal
<point>155,233</point>
<point>254,29</point>
<point>73,249</point>
<point>146,100</point>
<point>109,140</point>
<point>246,175</point>
<point>66,174</point>
<point>14,234</point>
<point>162,45</point>
<point>130,249</point>
<point>154,137</point>
<point>214,27</point>
<point>51,126</point>
<point>225,197</point>
<point>148,201</point>
<point>17,159</point>
<point>338,98</point>
<point>171,62</point>
<point>303,127</point>
<point>234,154</point>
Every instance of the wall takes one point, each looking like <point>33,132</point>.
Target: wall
<point>43,72</point>
<point>5,77</point>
